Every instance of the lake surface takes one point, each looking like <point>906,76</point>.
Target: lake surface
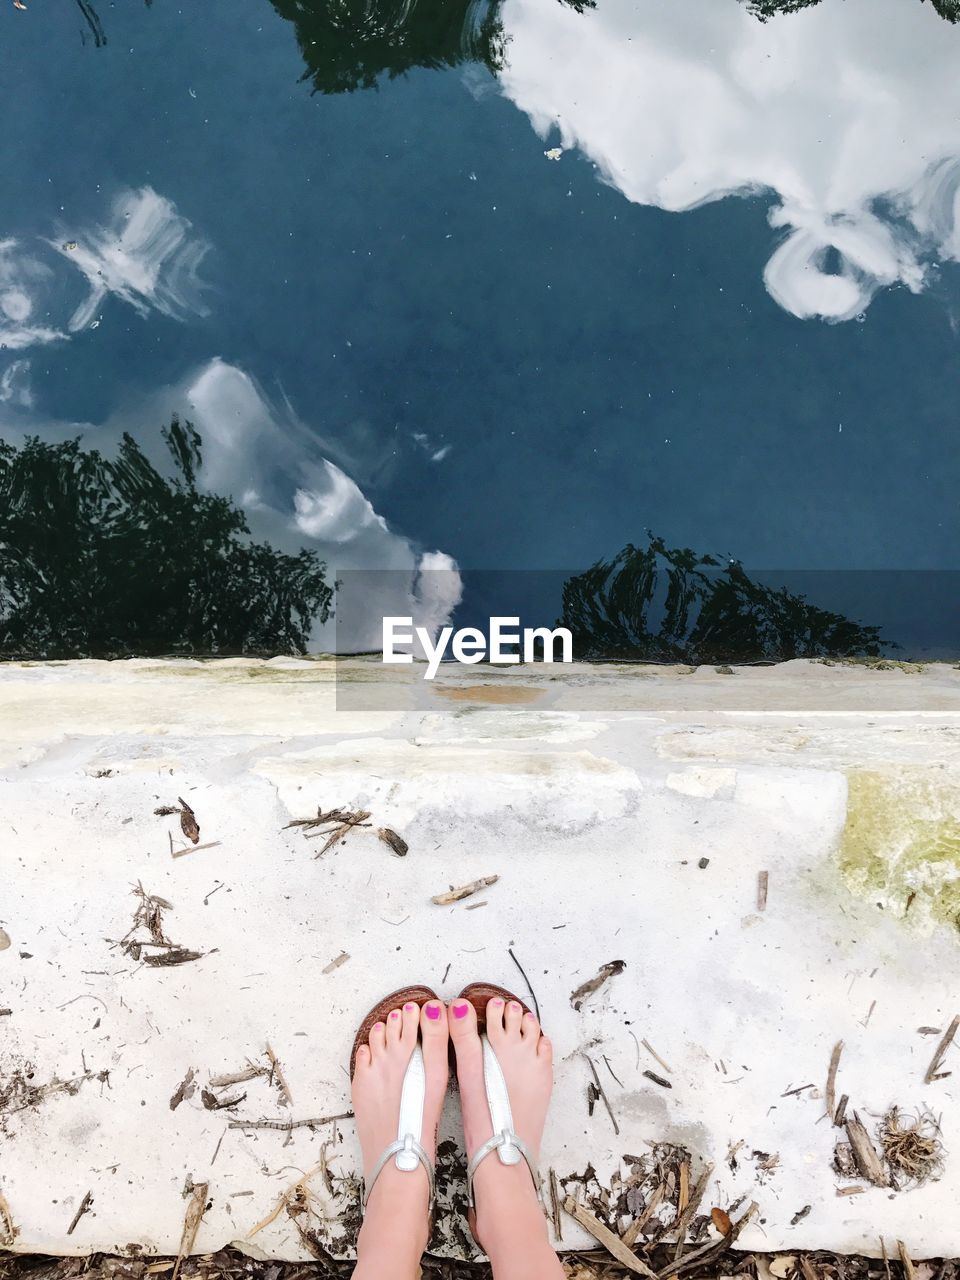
<point>506,287</point>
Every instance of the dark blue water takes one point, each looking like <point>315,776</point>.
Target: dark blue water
<point>515,363</point>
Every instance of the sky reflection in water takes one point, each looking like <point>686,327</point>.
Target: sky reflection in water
<point>402,329</point>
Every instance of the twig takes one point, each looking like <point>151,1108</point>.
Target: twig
<point>933,1071</point>
<point>865,1153</point>
<point>763,884</point>
<point>629,1237</point>
<point>653,1053</point>
<point>288,1124</point>
<point>465,890</point>
<point>606,1100</point>
<point>533,994</point>
<point>840,1115</point>
<point>182,853</point>
<point>606,971</point>
<point>191,1223</point>
<point>850,1191</point>
<point>652,1075</point>
<point>885,1255</point>
<point>831,1093</point>
<point>612,1072</point>
<point>238,1077</point>
<point>908,1268</point>
<point>613,1244</point>
<point>85,1204</point>
<point>555,1206</point>
<point>693,1204</point>
<point>336,962</point>
<point>8,1232</point>
<point>636,1065</point>
<point>709,1251</point>
<point>280,1078</point>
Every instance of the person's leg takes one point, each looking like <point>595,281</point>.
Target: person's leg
<point>394,1233</point>
<point>510,1226</point>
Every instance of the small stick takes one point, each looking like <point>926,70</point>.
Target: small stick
<point>465,890</point>
<point>191,1223</point>
<point>808,1269</point>
<point>684,1219</point>
<point>279,1076</point>
<point>652,1075</point>
<point>865,1153</point>
<point>840,1115</point>
<point>606,1100</point>
<point>555,1206</point>
<point>612,1072</point>
<point>711,1250</point>
<point>85,1204</point>
<point>336,962</point>
<point>9,1232</point>
<point>908,1269</point>
<point>288,1124</point>
<point>763,884</point>
<point>613,1244</point>
<point>683,1196</point>
<point>937,1060</point>
<point>886,1256</point>
<point>653,1053</point>
<point>629,1237</point>
<point>850,1191</point>
<point>182,853</point>
<point>831,1092</point>
<point>238,1077</point>
<point>533,994</point>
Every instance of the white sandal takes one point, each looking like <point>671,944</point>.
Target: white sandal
<point>407,1151</point>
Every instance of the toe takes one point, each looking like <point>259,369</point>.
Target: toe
<point>433,1022</point>
<point>462,1021</point>
<point>410,1023</point>
<point>530,1029</point>
<point>377,1040</point>
<point>363,1056</point>
<point>545,1049</point>
<point>394,1024</point>
<point>513,1018</point>
<point>495,1012</point>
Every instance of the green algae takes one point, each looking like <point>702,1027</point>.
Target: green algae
<point>900,845</point>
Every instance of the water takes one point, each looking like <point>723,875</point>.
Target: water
<point>402,328</point>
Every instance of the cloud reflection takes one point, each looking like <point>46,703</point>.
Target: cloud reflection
<point>848,114</point>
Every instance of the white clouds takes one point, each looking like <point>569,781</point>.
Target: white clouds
<point>336,511</point>
<point>15,385</point>
<point>147,257</point>
<point>849,114</point>
<point>23,284</point>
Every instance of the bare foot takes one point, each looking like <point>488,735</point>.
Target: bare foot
<point>510,1225</point>
<point>396,1213</point>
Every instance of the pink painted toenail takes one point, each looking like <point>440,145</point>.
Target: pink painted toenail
<point>461,1010</point>
<point>409,1005</point>
<point>433,1012</point>
<point>395,1014</point>
<point>514,1005</point>
<point>531,1015</point>
<point>496,1000</point>
<point>378,1026</point>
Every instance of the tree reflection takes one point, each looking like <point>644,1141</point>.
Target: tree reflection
<point>656,604</point>
<point>350,44</point>
<point>107,557</point>
<point>949,9</point>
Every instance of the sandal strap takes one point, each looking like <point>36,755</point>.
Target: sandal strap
<point>407,1145</point>
<point>502,1141</point>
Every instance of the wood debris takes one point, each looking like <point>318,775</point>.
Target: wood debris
<point>831,1090</point>
<point>912,1150</point>
<point>182,853</point>
<point>465,891</point>
<point>175,955</point>
<point>612,1243</point>
<point>85,1204</point>
<point>600,1094</point>
<point>586,989</point>
<point>555,1206</point>
<point>690,1208</point>
<point>185,1089</point>
<point>936,1062</point>
<point>188,822</point>
<point>395,841</point>
<point>285,1125</point>
<point>850,1191</point>
<point>801,1214</point>
<point>908,1268</point>
<point>721,1220</point>
<point>191,1223</point>
<point>763,886</point>
<point>336,962</point>
<point>238,1077</point>
<point>212,1103</point>
<point>865,1155</point>
<point>276,1074</point>
<point>710,1251</point>
<point>652,1075</point>
<point>8,1231</point>
<point>653,1053</point>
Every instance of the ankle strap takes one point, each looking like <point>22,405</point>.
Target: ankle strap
<point>502,1141</point>
<point>407,1145</point>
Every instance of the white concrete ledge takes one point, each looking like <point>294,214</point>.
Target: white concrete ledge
<point>594,793</point>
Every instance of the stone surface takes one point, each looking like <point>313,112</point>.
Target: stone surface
<point>594,794</point>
